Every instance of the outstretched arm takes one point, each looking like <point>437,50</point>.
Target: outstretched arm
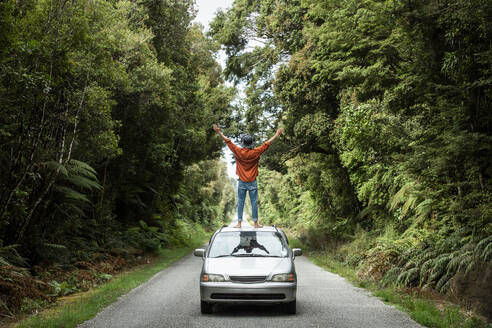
<point>217,129</point>
<point>279,132</point>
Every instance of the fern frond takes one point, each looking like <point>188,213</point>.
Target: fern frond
<point>9,255</point>
<point>425,256</point>
<point>77,210</point>
<point>439,266</point>
<point>69,209</point>
<point>83,182</point>
<point>459,261</point>
<point>365,211</point>
<point>4,261</point>
<point>81,168</point>
<point>424,209</point>
<point>471,265</point>
<point>143,224</point>
<point>57,246</point>
<point>391,276</point>
<point>6,308</point>
<point>443,282</point>
<point>72,194</point>
<point>55,166</point>
<point>409,204</point>
<point>487,253</point>
<point>482,244</point>
<point>401,195</point>
<point>409,277</point>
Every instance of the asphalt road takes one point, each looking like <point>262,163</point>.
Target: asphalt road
<point>172,299</point>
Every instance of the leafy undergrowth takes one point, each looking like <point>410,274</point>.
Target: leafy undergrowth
<point>452,265</point>
<point>427,308</point>
<point>28,289</point>
<point>75,309</point>
<point>63,296</point>
<point>25,291</point>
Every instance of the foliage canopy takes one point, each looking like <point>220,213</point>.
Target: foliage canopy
<point>386,105</point>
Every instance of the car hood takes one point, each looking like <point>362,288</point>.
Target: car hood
<point>248,266</point>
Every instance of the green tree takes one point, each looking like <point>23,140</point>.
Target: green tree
<point>386,109</point>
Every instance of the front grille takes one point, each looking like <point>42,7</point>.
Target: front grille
<point>225,296</point>
<point>247,279</point>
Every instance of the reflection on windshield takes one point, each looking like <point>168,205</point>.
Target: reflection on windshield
<point>248,243</point>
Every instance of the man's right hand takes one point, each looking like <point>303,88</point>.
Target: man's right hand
<point>280,131</point>
<point>216,128</point>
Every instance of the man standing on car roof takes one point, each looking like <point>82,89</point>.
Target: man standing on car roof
<point>247,159</point>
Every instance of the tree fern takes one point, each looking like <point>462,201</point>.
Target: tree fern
<point>391,276</point>
<point>442,284</point>
<point>484,248</point>
<point>71,194</point>
<point>439,267</point>
<point>408,277</point>
<point>425,271</point>
<point>407,199</point>
<point>83,182</point>
<point>459,261</point>
<point>409,204</point>
<point>55,166</point>
<point>401,195</point>
<point>423,209</point>
<point>10,256</point>
<point>80,176</point>
<point>3,261</point>
<point>487,253</point>
<point>80,168</point>
<point>69,209</point>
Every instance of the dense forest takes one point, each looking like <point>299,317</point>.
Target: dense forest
<point>387,159</point>
<point>106,146</point>
<point>107,150</point>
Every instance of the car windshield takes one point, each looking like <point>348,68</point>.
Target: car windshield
<point>248,243</point>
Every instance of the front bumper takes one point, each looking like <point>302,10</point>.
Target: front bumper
<point>264,292</point>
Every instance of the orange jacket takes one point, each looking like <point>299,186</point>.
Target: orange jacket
<point>247,160</point>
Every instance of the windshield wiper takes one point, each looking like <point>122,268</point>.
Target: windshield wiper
<point>224,255</point>
<point>255,255</point>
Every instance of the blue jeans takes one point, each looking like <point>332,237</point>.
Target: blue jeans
<point>242,188</point>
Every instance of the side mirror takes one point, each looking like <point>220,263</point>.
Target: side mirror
<point>200,252</point>
<point>296,252</point>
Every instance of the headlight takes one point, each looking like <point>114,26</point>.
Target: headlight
<point>284,277</point>
<point>212,277</point>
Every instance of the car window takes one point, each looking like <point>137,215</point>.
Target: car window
<point>248,243</point>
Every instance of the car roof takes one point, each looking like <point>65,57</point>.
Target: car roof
<point>248,228</point>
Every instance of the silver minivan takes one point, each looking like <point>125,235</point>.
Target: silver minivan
<point>248,265</point>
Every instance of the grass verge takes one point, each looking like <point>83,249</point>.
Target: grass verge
<point>78,308</point>
<point>427,312</point>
